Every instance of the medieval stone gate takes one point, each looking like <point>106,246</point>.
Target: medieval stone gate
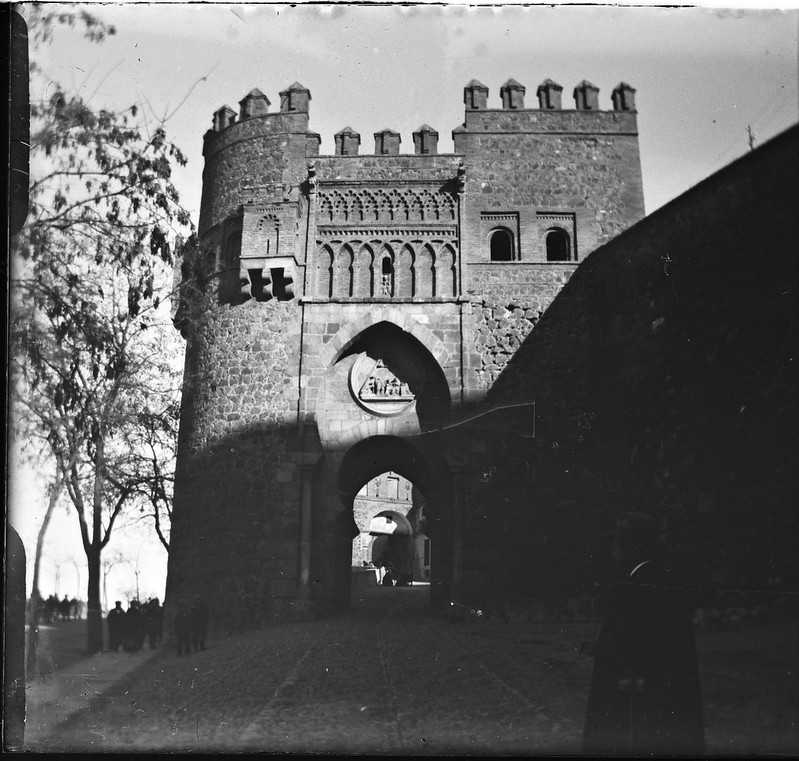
<point>344,314</point>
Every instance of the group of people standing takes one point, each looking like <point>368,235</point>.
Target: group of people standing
<point>129,628</point>
<point>52,609</point>
<point>389,576</point>
<point>645,691</point>
<point>191,626</point>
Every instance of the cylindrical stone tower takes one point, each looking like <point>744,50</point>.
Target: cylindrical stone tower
<point>235,523</point>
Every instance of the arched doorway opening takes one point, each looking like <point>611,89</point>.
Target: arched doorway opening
<point>405,527</point>
<point>389,513</point>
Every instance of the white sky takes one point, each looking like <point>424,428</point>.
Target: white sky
<point>702,75</point>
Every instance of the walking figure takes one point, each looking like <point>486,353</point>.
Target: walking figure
<point>134,634</point>
<point>183,628</point>
<point>116,627</point>
<point>154,621</point>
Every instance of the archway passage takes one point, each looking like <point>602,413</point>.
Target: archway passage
<point>389,514</point>
<point>397,503</point>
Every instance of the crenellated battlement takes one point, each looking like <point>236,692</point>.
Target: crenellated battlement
<point>549,116</point>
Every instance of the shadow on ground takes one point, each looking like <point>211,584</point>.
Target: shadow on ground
<point>392,677</point>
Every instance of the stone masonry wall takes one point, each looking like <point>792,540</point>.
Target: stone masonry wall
<point>664,378</point>
<point>527,165</point>
<point>235,522</point>
<point>330,327</point>
<point>586,163</point>
<point>245,162</point>
<point>388,168</point>
<point>511,299</point>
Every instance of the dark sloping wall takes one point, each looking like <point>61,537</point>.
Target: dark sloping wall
<point>664,377</point>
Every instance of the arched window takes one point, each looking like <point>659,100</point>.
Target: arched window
<point>404,285</point>
<point>342,273</point>
<point>445,272</point>
<point>501,245</point>
<point>387,277</point>
<point>558,245</point>
<point>362,273</point>
<point>425,273</point>
<point>324,273</point>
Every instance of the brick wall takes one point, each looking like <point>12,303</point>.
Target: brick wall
<point>531,162</point>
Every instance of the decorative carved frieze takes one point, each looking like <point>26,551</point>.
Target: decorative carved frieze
<point>556,217</point>
<point>357,205</point>
<point>500,216</point>
<point>377,389</point>
<point>385,233</point>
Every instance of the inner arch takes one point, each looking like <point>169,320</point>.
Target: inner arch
<point>410,362</point>
<point>389,514</point>
<point>428,515</point>
<point>380,454</point>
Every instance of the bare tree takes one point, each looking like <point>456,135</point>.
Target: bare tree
<point>94,348</point>
<point>108,564</point>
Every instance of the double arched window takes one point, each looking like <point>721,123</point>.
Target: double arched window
<point>502,248</point>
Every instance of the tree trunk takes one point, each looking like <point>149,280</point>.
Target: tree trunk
<point>36,598</point>
<point>32,646</point>
<point>94,616</point>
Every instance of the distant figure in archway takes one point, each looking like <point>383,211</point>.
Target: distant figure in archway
<point>388,576</point>
<point>645,695</point>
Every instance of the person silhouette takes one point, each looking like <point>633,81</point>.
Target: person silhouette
<point>117,620</point>
<point>645,693</point>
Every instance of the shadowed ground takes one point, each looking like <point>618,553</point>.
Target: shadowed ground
<point>391,677</point>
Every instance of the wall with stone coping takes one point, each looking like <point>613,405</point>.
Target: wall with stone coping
<point>363,168</point>
<point>567,121</point>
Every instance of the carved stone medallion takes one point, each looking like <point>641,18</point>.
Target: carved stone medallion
<point>375,388</point>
